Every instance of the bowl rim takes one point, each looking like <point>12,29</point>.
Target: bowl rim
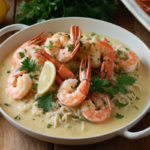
<point>138,118</point>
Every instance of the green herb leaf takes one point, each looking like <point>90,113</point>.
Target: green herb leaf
<point>6,104</point>
<point>137,98</point>
<point>37,10</point>
<point>34,86</point>
<point>8,71</point>
<point>136,107</point>
<point>119,52</point>
<point>119,116</point>
<point>121,104</point>
<point>29,65</point>
<point>76,117</point>
<point>50,46</point>
<point>124,79</point>
<point>22,55</point>
<point>45,101</point>
<point>17,117</point>
<point>93,34</point>
<point>49,125</point>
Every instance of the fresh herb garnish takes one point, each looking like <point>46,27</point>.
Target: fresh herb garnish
<point>49,125</point>
<point>93,34</point>
<point>99,85</point>
<point>105,102</point>
<point>34,77</point>
<point>8,71</point>
<point>22,55</point>
<point>54,56</point>
<point>17,117</point>
<point>29,65</point>
<point>40,10</point>
<point>137,98</point>
<point>136,107</point>
<point>76,117</point>
<point>127,49</point>
<point>121,104</point>
<point>50,46</point>
<point>46,101</point>
<point>6,104</point>
<point>119,116</point>
<point>34,86</point>
<point>119,52</point>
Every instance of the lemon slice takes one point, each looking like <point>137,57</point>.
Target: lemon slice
<point>47,77</point>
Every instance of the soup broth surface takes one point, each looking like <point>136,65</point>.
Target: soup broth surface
<point>39,123</point>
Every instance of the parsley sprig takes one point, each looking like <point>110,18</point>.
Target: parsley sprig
<point>46,101</point>
<point>29,65</point>
<point>99,85</point>
<point>40,10</point>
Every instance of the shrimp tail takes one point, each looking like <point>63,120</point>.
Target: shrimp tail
<point>85,76</point>
<point>62,71</point>
<point>107,69</point>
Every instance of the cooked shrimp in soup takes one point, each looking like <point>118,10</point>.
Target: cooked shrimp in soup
<point>73,84</point>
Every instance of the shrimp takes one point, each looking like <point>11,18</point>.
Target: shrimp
<point>33,55</point>
<point>62,46</point>
<point>62,71</point>
<point>68,95</point>
<point>18,84</point>
<point>131,63</point>
<point>97,108</point>
<point>97,50</point>
<point>39,39</point>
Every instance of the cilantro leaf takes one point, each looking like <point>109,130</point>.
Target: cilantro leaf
<point>45,101</point>
<point>121,104</point>
<point>22,55</point>
<point>8,71</point>
<point>119,116</point>
<point>50,46</point>
<point>34,86</point>
<point>124,79</point>
<point>29,65</point>
<point>119,52</point>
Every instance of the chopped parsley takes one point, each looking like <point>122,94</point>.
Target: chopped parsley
<point>121,104</point>
<point>34,77</point>
<point>82,69</point>
<point>29,65</point>
<point>50,46</point>
<point>72,87</point>
<point>52,33</point>
<point>6,104</point>
<point>136,107</point>
<point>137,98</point>
<point>25,50</point>
<point>46,101</point>
<point>8,71</point>
<point>79,118</point>
<point>105,102</point>
<point>127,49</point>
<point>70,47</point>
<point>119,52</point>
<point>54,56</point>
<point>119,116</point>
<point>34,86</point>
<point>49,125</point>
<point>93,34</point>
<point>17,117</point>
<point>22,55</point>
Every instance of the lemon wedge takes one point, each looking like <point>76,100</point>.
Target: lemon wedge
<point>47,77</point>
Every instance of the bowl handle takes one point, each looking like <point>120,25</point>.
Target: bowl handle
<point>12,28</point>
<point>136,135</point>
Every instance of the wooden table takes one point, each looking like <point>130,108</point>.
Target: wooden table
<point>13,139</point>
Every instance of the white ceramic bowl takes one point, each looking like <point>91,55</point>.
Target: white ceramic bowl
<point>92,25</point>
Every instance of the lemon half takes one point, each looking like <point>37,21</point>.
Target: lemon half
<point>47,77</point>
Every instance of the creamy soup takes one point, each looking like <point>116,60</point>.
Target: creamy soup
<point>22,111</point>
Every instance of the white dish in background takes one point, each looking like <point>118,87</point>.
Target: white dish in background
<point>91,25</point>
<point>138,12</point>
